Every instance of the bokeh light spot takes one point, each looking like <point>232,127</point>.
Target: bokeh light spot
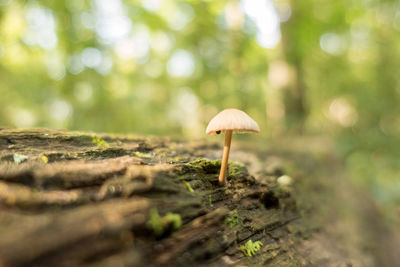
<point>91,57</point>
<point>342,112</point>
<point>41,28</point>
<point>83,91</point>
<point>181,64</point>
<point>152,5</point>
<point>75,65</point>
<point>266,18</point>
<point>60,110</point>
<point>22,117</point>
<point>332,43</point>
<point>111,23</point>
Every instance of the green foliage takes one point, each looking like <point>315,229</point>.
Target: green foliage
<point>189,187</point>
<point>233,220</point>
<point>99,142</point>
<point>250,249</point>
<point>159,225</point>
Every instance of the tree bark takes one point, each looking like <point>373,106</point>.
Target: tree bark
<point>76,199</point>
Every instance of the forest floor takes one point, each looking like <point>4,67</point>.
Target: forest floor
<point>84,199</point>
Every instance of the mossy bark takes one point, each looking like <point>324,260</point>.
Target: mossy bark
<point>85,199</point>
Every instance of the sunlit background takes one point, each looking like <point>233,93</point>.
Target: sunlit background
<point>164,67</point>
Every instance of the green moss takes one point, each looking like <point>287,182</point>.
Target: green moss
<point>159,225</point>
<point>233,220</point>
<point>110,152</point>
<point>214,166</point>
<point>188,186</point>
<point>236,168</point>
<point>208,166</point>
<point>174,159</point>
<point>249,249</point>
<point>99,142</point>
<point>142,155</point>
<point>97,153</point>
<point>44,159</point>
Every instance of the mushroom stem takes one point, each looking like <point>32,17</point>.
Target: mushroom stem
<point>225,156</point>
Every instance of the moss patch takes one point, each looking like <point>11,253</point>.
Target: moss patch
<point>236,168</point>
<point>44,159</point>
<point>214,166</point>
<point>208,166</point>
<point>142,155</point>
<point>99,142</point>
<point>162,225</point>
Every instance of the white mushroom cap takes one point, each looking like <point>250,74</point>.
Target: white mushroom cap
<point>232,119</point>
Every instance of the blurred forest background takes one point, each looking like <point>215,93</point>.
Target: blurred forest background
<point>164,67</point>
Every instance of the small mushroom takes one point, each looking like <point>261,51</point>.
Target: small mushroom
<point>228,121</point>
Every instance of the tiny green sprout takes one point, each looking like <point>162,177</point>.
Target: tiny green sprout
<point>188,186</point>
<point>233,220</point>
<point>250,249</point>
<point>173,219</point>
<point>210,201</point>
<point>98,141</point>
<point>154,223</point>
<point>161,224</point>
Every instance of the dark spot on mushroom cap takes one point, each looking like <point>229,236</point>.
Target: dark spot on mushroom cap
<point>217,132</point>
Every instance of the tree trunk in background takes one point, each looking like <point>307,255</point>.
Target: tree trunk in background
<point>294,46</point>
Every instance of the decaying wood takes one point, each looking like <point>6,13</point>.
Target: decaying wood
<point>74,202</point>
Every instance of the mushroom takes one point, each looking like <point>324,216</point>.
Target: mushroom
<point>228,121</point>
